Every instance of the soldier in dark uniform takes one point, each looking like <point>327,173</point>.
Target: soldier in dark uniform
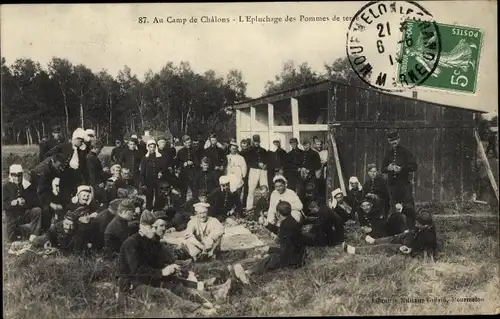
<point>223,203</point>
<point>75,171</point>
<point>188,162</point>
<point>216,155</point>
<point>257,175</point>
<point>151,171</point>
<point>277,161</point>
<point>96,172</point>
<point>51,143</point>
<point>294,159</point>
<point>205,178</point>
<point>398,164</point>
<point>168,154</point>
<point>117,151</point>
<point>131,159</point>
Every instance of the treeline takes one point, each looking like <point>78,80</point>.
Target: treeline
<point>175,99</point>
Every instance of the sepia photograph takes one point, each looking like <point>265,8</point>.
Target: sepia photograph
<point>268,159</point>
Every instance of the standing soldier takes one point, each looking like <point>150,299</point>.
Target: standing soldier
<point>74,160</point>
<point>131,159</point>
<point>51,143</point>
<point>91,137</point>
<point>188,162</point>
<point>398,164</point>
<point>492,142</point>
<point>321,176</point>
<point>167,154</point>
<point>96,173</point>
<point>277,160</point>
<point>117,151</point>
<point>257,161</point>
<point>236,167</point>
<point>216,155</point>
<point>293,160</point>
<point>205,178</point>
<point>151,171</point>
<point>309,167</point>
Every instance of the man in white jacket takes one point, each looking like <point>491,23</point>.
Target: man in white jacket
<point>203,234</point>
<point>236,168</point>
<point>282,194</point>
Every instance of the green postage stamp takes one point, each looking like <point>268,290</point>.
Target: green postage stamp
<point>458,63</point>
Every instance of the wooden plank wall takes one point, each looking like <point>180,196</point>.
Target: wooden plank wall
<point>441,138</point>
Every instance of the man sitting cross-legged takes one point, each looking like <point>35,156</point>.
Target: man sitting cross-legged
<point>143,266</point>
<point>291,252</point>
<point>203,234</point>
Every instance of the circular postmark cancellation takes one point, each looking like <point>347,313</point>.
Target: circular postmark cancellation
<point>383,35</point>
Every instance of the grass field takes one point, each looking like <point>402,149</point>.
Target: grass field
<point>464,280</point>
<point>332,283</point>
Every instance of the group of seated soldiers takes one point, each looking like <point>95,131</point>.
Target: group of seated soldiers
<point>74,205</point>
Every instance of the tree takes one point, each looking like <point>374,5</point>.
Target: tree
<point>60,71</point>
<point>291,77</point>
<point>341,70</point>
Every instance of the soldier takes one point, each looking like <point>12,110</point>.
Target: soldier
<point>131,159</point>
<point>91,137</point>
<point>117,150</point>
<point>20,204</point>
<point>258,162</point>
<point>151,171</point>
<point>321,176</point>
<point>168,154</point>
<point>216,155</point>
<point>96,172</point>
<point>277,161</point>
<point>294,161</point>
<point>309,167</point>
<point>223,202</point>
<point>51,143</point>
<point>188,162</point>
<point>205,178</point>
<point>75,171</point>
<point>398,164</point>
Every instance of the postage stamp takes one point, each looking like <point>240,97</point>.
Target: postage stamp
<point>374,40</point>
<point>457,67</point>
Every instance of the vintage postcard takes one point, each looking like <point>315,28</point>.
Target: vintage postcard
<point>250,159</point>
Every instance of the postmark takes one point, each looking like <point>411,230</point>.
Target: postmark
<point>458,64</point>
<point>373,44</point>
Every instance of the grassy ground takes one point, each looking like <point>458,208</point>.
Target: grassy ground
<point>332,283</point>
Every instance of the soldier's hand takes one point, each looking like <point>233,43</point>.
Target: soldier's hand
<point>397,169</point>
<point>160,175</point>
<point>101,185</point>
<point>14,202</point>
<point>53,206</point>
<point>22,201</point>
<point>93,215</point>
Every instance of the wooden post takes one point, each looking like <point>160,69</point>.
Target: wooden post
<point>295,118</point>
<point>270,121</point>
<point>238,126</point>
<point>252,119</point>
<point>337,164</point>
<point>486,163</point>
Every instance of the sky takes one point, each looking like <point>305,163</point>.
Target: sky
<point>109,36</point>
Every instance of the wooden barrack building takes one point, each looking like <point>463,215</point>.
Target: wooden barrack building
<point>356,119</point>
